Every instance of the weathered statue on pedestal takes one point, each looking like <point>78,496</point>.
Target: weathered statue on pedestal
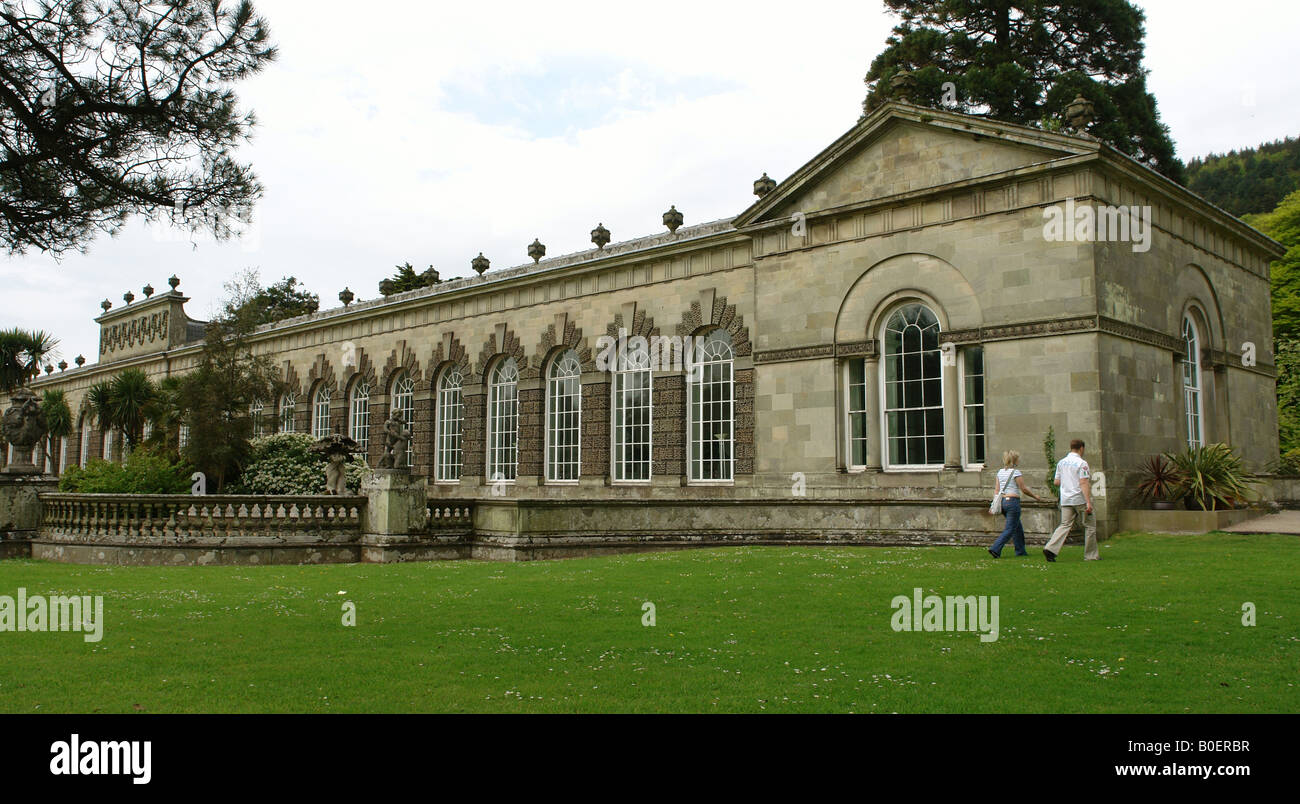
<point>336,449</point>
<point>396,436</point>
<point>23,426</point>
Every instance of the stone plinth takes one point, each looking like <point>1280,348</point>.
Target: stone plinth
<point>20,511</point>
<point>396,508</point>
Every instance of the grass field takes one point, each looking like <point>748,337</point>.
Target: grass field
<point>1156,626</point>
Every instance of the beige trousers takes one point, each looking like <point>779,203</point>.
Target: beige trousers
<point>1069,513</point>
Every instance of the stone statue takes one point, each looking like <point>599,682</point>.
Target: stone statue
<point>336,449</point>
<point>396,436</point>
<point>23,426</point>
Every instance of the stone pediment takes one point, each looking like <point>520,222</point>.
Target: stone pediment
<point>901,149</point>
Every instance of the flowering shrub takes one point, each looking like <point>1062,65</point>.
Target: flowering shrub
<point>283,464</point>
<point>143,472</point>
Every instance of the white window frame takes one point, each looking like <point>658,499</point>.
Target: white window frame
<point>255,412</point>
<point>106,448</point>
<point>320,412</point>
<point>1193,416</point>
<point>700,364</point>
<point>623,370</point>
<point>85,440</point>
<point>882,395</point>
<point>850,412</point>
<point>402,400</point>
<point>557,386</point>
<point>502,463</point>
<point>182,435</point>
<point>966,404</point>
<point>359,414</point>
<point>284,421</point>
<point>449,406</point>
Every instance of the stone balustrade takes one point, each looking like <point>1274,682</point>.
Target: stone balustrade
<point>449,515</point>
<point>204,521</point>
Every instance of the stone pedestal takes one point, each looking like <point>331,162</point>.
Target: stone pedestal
<point>396,507</point>
<point>20,511</point>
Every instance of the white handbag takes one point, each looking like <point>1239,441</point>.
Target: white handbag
<point>995,507</point>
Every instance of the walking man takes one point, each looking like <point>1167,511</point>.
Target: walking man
<point>1074,478</point>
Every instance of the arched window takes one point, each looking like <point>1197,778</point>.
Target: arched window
<point>287,403</point>
<point>913,388</point>
<point>255,413</point>
<point>711,413</point>
<point>564,418</point>
<point>403,404</point>
<point>447,428</point>
<point>85,440</point>
<point>320,413</point>
<point>632,411</point>
<point>1192,382</point>
<point>359,414</point>
<point>107,453</point>
<point>503,421</point>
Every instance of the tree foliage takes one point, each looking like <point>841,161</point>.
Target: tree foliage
<point>1024,61</point>
<point>1251,180</point>
<point>21,353</point>
<point>407,279</point>
<point>249,305</point>
<point>143,472</point>
<point>110,108</point>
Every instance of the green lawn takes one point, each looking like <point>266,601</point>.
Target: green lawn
<point>1156,626</point>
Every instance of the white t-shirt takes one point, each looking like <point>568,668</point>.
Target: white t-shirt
<point>1007,480</point>
<point>1069,471</point>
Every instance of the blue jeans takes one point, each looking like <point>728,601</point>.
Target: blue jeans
<point>1013,530</point>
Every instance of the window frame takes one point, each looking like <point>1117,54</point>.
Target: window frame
<point>850,412</point>
<point>966,461</point>
<point>359,414</point>
<point>285,423</point>
<point>616,393</point>
<point>1192,358</point>
<point>407,409</point>
<point>882,392</point>
<point>320,411</point>
<point>440,404</point>
<point>720,336</point>
<point>491,467</point>
<point>548,418</point>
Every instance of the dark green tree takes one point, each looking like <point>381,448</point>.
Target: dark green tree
<point>249,305</point>
<point>1024,61</point>
<point>21,353</point>
<point>110,108</point>
<point>407,279</point>
<point>123,404</point>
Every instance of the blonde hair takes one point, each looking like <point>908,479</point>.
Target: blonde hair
<point>1010,458</point>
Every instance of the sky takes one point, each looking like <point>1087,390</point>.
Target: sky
<point>435,130</point>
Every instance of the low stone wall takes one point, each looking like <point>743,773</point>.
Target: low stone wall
<point>209,529</point>
<point>1285,490</point>
<point>1182,520</point>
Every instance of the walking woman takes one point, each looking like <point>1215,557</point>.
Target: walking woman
<point>1011,484</point>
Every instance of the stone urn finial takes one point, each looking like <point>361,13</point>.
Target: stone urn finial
<point>673,219</point>
<point>903,84</point>
<point>128,297</point>
<point>430,276</point>
<point>536,250</point>
<point>480,263</point>
<point>1080,113</point>
<point>346,296</point>
<point>147,290</point>
<point>600,235</point>
<point>63,365</point>
<point>763,185</point>
<point>174,282</point>
<point>105,305</point>
<point>23,426</point>
<point>49,369</point>
<point>80,361</point>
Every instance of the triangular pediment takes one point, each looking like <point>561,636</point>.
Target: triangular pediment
<point>901,149</point>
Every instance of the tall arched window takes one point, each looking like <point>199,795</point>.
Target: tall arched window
<point>447,428</point>
<point>320,413</point>
<point>287,403</point>
<point>632,412</point>
<point>564,418</point>
<point>107,452</point>
<point>1192,383</point>
<point>255,412</point>
<point>503,421</point>
<point>711,413</point>
<point>359,414</point>
<point>85,440</point>
<point>403,397</point>
<point>913,388</point>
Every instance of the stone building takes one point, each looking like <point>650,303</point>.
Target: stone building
<point>872,334</point>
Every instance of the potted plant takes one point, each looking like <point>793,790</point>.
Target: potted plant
<point>1212,478</point>
<point>1159,482</point>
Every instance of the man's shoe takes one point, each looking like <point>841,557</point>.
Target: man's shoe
<point>995,555</point>
<point>1049,555</point>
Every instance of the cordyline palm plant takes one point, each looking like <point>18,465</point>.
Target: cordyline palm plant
<point>21,353</point>
<point>1211,477</point>
<point>1158,480</point>
<point>124,403</point>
